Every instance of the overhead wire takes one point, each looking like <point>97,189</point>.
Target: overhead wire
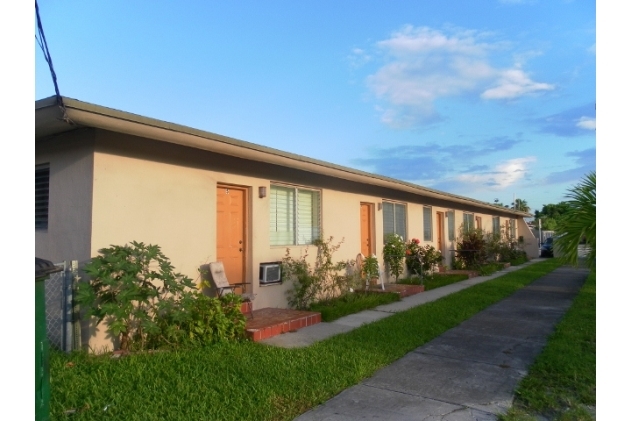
<point>41,41</point>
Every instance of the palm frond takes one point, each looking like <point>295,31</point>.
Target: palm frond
<point>579,222</point>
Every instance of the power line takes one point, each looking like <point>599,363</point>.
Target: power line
<point>44,46</point>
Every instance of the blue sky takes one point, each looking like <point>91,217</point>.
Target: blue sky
<point>487,99</point>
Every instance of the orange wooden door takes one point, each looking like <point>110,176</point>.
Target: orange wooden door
<point>440,225</point>
<point>366,229</point>
<point>231,202</point>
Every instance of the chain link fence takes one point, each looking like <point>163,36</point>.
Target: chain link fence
<point>61,326</point>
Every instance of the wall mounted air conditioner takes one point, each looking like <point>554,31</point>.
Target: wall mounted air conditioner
<point>269,273</point>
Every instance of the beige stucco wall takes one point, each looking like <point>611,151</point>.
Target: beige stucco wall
<point>109,188</point>
<point>70,196</point>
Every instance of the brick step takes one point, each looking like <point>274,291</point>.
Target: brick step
<point>268,322</point>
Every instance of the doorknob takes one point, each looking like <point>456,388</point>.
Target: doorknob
<point>240,249</point>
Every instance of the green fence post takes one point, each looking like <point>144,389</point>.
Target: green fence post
<point>43,268</point>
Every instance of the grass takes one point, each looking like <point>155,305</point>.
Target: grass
<point>434,281</point>
<point>352,303</point>
<point>562,381</point>
<point>247,380</point>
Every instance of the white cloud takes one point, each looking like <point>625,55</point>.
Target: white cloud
<point>424,64</point>
<point>504,175</point>
<point>514,83</point>
<point>358,57</point>
<point>587,123</point>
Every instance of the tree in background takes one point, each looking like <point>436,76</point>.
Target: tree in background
<point>550,214</point>
<point>579,222</point>
<point>521,205</point>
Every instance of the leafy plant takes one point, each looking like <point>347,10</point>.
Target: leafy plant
<point>393,254</point>
<point>579,222</point>
<point>471,248</point>
<point>429,257</point>
<point>146,304</point>
<point>321,282</point>
<point>370,268</point>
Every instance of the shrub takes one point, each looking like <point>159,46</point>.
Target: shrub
<point>393,254</point>
<point>370,268</point>
<point>322,282</point>
<point>429,257</point>
<point>145,304</point>
<point>471,248</point>
<point>201,320</point>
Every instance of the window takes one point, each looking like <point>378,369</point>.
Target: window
<point>512,227</point>
<point>496,226</point>
<point>42,176</point>
<point>451,225</point>
<point>294,215</point>
<point>468,222</point>
<point>394,219</point>
<point>427,223</point>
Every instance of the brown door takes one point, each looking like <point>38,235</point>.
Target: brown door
<point>440,224</point>
<point>366,229</point>
<point>231,203</point>
<point>478,222</point>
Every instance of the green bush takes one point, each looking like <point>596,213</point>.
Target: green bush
<point>323,281</point>
<point>393,254</point>
<point>429,257</point>
<point>146,305</point>
<point>471,248</point>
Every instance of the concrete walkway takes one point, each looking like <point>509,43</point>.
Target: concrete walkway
<point>468,373</point>
<point>309,335</point>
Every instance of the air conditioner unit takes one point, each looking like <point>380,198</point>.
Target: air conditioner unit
<point>269,273</point>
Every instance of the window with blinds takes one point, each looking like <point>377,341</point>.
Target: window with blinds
<point>394,219</point>
<point>427,223</point>
<point>294,215</point>
<point>451,225</point>
<point>468,222</point>
<point>42,177</point>
<point>496,226</point>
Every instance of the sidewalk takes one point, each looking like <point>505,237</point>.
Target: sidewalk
<point>468,373</point>
<point>309,335</point>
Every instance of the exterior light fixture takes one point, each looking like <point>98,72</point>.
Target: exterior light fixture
<point>262,191</point>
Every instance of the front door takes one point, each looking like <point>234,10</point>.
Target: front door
<point>231,241</point>
<point>440,224</point>
<point>367,233</point>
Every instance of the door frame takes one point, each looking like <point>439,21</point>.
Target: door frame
<point>371,211</point>
<point>440,231</point>
<point>246,228</point>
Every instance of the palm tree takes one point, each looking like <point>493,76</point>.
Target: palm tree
<point>579,222</point>
<point>521,205</point>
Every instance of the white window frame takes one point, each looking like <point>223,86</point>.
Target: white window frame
<point>428,223</point>
<point>398,223</point>
<point>451,225</point>
<point>497,226</point>
<point>465,225</point>
<point>301,221</point>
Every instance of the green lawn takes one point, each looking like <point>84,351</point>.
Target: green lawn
<point>435,281</point>
<point>562,381</point>
<point>251,381</point>
<point>352,303</point>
